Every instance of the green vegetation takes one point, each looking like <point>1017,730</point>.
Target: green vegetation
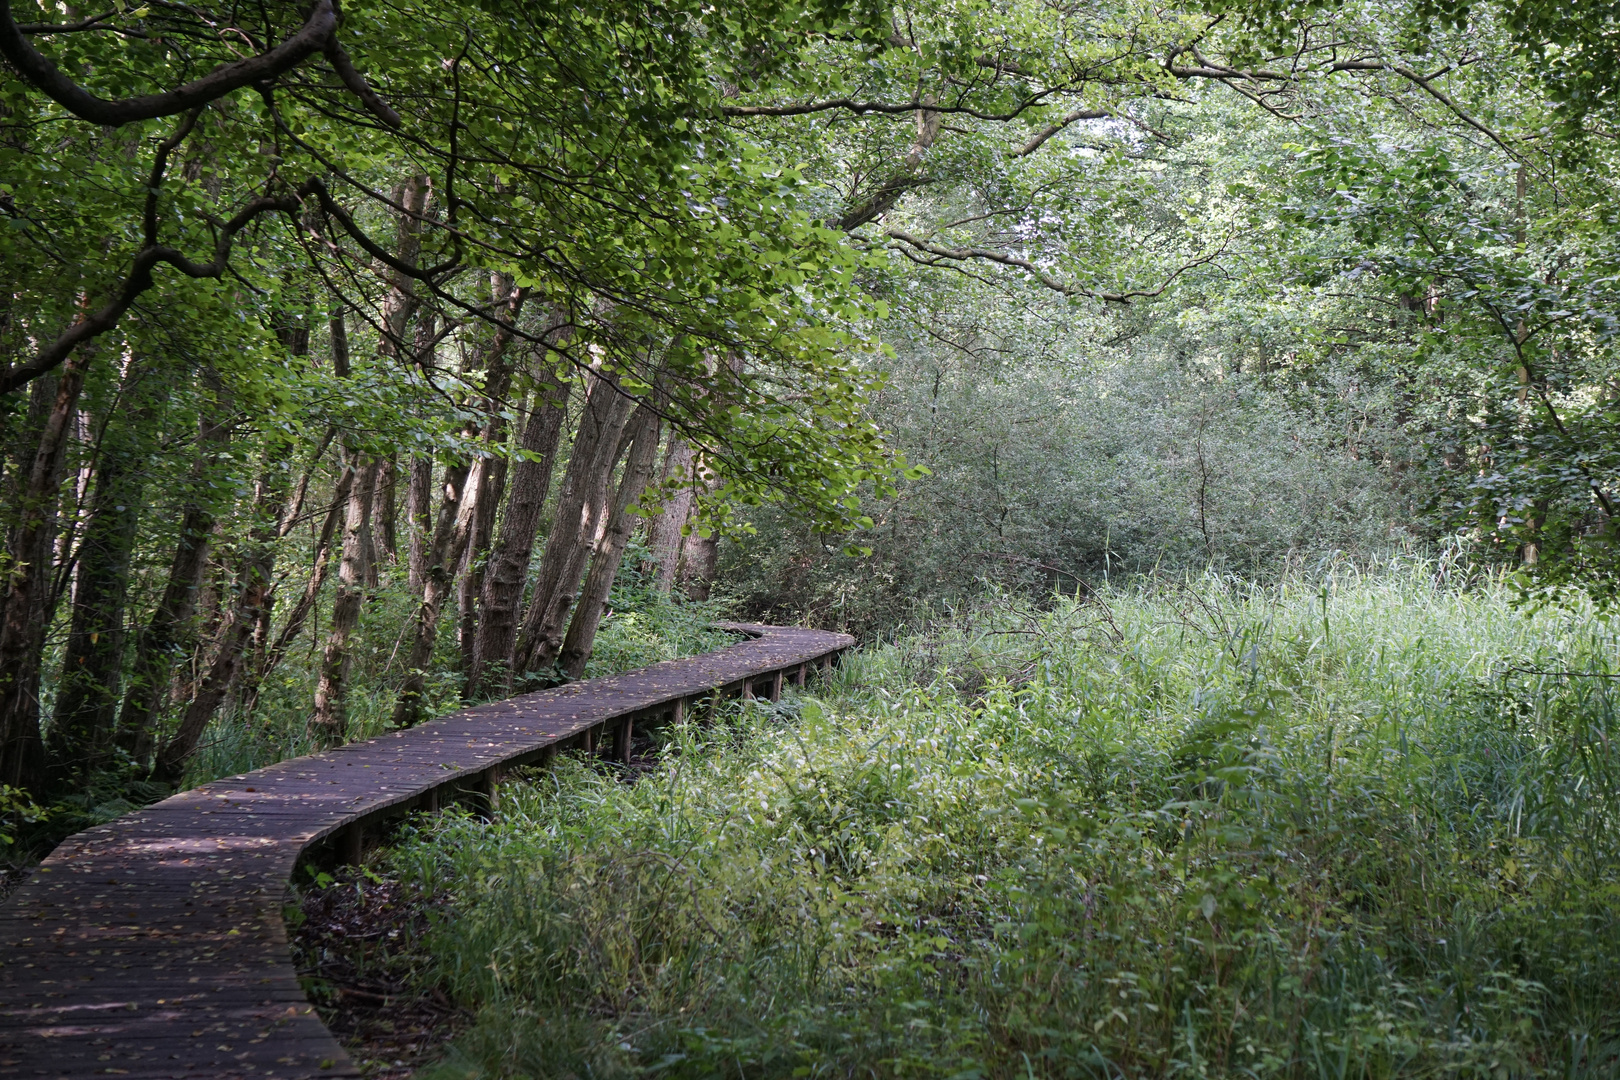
<point>361,362</point>
<point>645,626</point>
<point>1348,825</point>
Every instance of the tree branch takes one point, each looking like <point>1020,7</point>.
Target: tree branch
<point>941,252</point>
<point>1039,138</point>
<point>860,108</point>
<point>316,36</point>
<point>140,280</point>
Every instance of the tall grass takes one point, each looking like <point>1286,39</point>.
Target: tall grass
<point>1354,826</point>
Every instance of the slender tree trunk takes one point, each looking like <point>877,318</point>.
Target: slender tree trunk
<point>170,633</point>
<point>259,660</point>
<point>418,520</point>
<point>578,520</point>
<point>384,511</point>
<point>664,537</point>
<point>41,398</point>
<point>502,588</point>
<point>87,694</point>
<point>450,535</point>
<point>28,583</point>
<point>498,370</point>
<point>638,470</point>
<point>330,724</point>
<point>299,615</point>
<point>253,583</point>
<point>476,562</point>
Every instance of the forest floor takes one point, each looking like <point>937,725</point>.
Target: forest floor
<point>1361,825</point>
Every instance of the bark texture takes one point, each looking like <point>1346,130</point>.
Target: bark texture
<point>581,504</point>
<point>501,595</point>
<point>87,693</point>
<point>587,618</point>
<point>329,723</point>
<point>169,635</point>
<point>664,537</point>
<point>28,578</point>
<point>450,533</point>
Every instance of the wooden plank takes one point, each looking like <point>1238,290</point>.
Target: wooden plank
<point>153,946</point>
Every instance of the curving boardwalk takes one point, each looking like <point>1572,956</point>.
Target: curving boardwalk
<point>153,946</point>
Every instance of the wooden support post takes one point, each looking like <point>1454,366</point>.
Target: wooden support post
<point>622,736</point>
<point>747,691</point>
<point>590,738</point>
<point>351,845</point>
<point>776,686</point>
<point>548,756</point>
<point>677,711</point>
<point>430,800</point>
<point>490,787</point>
<point>800,674</point>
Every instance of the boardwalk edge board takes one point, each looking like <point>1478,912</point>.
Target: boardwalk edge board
<point>153,946</point>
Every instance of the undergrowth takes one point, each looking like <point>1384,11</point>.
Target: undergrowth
<point>1358,826</point>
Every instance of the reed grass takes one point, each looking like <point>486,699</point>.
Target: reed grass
<point>1351,825</point>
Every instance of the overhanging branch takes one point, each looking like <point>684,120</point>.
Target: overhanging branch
<point>140,279</point>
<point>942,253</point>
<point>316,36</point>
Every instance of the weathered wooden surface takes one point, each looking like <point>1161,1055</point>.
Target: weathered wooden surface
<point>153,946</point>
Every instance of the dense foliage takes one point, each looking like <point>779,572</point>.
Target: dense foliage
<point>319,314</point>
<point>358,361</point>
<point>1344,826</point>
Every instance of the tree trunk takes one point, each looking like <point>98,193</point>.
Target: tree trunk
<point>253,590</point>
<point>384,511</point>
<point>330,724</point>
<point>476,562</point>
<point>664,538</point>
<point>28,581</point>
<point>418,521</point>
<point>169,633</point>
<point>92,670</point>
<point>502,591</point>
<point>299,615</point>
<point>580,508</point>
<point>497,365</point>
<point>700,556</point>
<point>638,470</point>
<point>450,534</point>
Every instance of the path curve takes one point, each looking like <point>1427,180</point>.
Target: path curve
<point>153,946</point>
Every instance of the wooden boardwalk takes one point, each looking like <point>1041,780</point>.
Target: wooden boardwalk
<point>153,946</point>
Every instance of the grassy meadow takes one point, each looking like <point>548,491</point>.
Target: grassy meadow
<point>1356,826</point>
